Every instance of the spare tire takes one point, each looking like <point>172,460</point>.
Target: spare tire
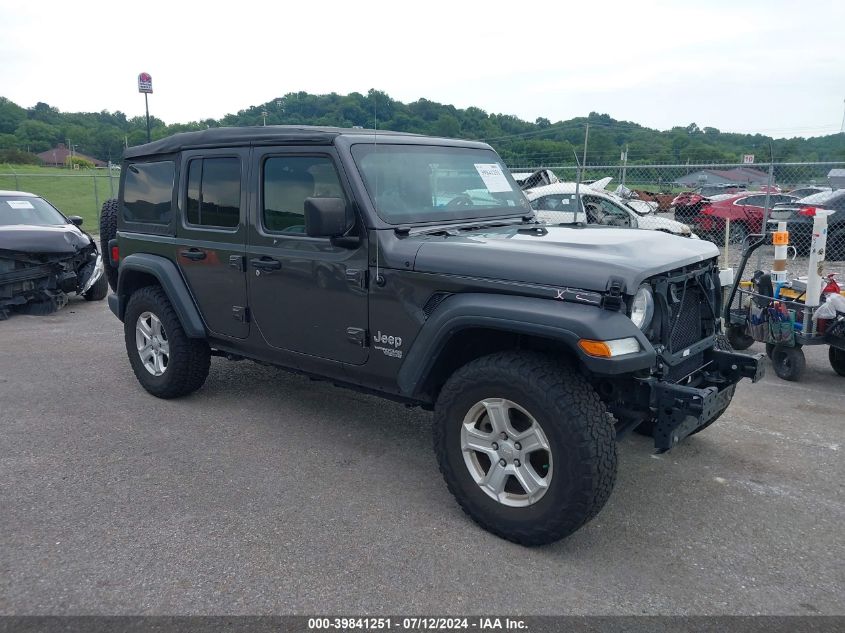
<point>108,231</point>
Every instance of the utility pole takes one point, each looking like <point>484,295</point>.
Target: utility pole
<point>624,165</point>
<point>842,127</point>
<point>264,117</point>
<point>586,139</point>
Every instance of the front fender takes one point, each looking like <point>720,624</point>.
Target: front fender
<point>170,280</point>
<point>555,320</point>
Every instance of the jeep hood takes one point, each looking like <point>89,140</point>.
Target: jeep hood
<point>58,239</point>
<point>580,257</point>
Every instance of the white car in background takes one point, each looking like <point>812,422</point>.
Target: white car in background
<point>556,204</point>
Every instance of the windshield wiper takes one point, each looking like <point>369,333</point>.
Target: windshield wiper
<point>454,229</point>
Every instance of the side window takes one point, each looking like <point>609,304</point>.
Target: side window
<point>603,211</point>
<point>752,201</point>
<point>287,181</point>
<point>148,192</point>
<point>558,202</point>
<point>214,192</point>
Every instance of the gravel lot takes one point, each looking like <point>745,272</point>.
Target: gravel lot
<point>268,493</point>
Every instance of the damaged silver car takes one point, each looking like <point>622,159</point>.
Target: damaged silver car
<point>44,256</point>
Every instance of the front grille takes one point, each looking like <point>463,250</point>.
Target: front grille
<point>685,327</point>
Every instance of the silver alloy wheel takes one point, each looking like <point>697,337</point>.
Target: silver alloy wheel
<point>506,452</point>
<point>152,344</point>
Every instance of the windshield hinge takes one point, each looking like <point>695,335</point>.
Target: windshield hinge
<point>613,299</point>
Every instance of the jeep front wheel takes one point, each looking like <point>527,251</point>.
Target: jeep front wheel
<point>166,362</point>
<point>525,446</point>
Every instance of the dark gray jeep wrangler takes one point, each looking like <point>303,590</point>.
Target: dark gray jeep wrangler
<point>413,268</point>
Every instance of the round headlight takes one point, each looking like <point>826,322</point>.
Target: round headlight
<point>642,309</point>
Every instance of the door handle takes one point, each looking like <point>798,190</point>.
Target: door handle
<point>266,263</point>
<point>193,254</point>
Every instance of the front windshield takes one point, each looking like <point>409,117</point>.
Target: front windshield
<point>28,210</point>
<point>423,183</point>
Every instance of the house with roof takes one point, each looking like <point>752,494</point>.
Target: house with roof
<point>57,157</point>
<point>748,176</point>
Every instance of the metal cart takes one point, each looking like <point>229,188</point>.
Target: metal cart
<point>784,343</point>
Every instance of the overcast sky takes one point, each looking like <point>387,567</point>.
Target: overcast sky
<point>775,67</point>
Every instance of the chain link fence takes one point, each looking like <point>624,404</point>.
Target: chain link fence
<point>723,203</point>
<point>74,192</point>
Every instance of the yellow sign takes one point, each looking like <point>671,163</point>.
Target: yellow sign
<point>780,238</point>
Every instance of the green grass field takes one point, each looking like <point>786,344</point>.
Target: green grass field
<point>73,192</point>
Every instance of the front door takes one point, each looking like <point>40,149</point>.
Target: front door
<point>306,295</point>
<point>212,237</point>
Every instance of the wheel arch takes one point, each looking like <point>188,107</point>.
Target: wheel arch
<point>467,326</point>
<point>142,269</point>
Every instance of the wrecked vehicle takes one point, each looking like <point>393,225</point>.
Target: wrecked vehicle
<point>558,204</point>
<point>44,256</point>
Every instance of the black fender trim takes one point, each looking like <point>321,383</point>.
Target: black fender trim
<point>557,320</point>
<point>170,280</point>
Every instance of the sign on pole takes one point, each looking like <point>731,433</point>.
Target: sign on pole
<point>747,159</point>
<point>145,83</point>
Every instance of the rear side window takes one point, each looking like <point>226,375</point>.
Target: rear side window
<point>148,192</point>
<point>214,192</point>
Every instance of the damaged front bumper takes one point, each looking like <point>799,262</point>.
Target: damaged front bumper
<point>681,409</point>
<point>43,281</point>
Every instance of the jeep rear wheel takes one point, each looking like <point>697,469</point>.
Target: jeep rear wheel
<point>166,362</point>
<point>525,446</point>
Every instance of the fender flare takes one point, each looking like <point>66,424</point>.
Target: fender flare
<point>170,280</point>
<point>556,320</point>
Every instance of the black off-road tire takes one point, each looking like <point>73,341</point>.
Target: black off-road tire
<point>788,362</point>
<point>189,359</point>
<point>737,338</point>
<point>837,360</point>
<point>647,427</point>
<point>108,231</point>
<point>99,290</point>
<point>581,438</point>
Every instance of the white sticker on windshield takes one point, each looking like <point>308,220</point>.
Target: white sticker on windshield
<point>565,201</point>
<point>20,204</point>
<point>493,177</point>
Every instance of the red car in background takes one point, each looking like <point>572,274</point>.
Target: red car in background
<point>744,210</point>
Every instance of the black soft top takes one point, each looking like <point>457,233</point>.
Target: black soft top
<point>256,135</point>
<point>284,135</point>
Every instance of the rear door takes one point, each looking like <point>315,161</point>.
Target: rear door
<point>212,236</point>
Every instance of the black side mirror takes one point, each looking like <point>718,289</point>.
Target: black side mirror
<point>326,217</point>
<point>75,220</point>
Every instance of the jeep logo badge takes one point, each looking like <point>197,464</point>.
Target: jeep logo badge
<point>384,339</point>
